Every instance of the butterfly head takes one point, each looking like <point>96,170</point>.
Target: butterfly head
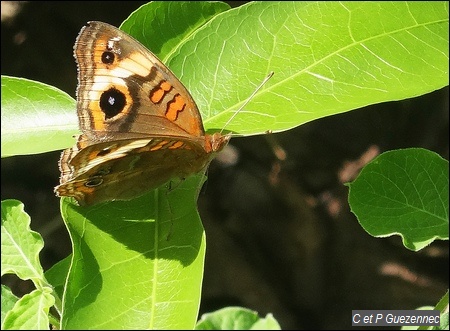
<point>216,142</point>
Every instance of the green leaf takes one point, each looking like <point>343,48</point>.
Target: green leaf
<point>328,58</point>
<point>8,301</point>
<point>30,312</point>
<point>148,251</point>
<point>236,318</point>
<point>403,192</point>
<point>20,245</point>
<point>36,117</point>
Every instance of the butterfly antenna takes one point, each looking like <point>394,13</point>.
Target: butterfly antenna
<point>248,99</point>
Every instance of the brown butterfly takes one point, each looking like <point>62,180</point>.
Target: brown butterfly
<point>140,126</point>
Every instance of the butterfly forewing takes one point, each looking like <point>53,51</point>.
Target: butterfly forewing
<point>127,90</point>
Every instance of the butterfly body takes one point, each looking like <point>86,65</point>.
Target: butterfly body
<point>140,126</point>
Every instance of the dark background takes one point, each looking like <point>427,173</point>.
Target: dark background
<point>281,238</point>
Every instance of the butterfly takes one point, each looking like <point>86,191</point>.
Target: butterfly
<point>140,126</point>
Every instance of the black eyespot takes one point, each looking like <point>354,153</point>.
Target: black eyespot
<point>112,102</point>
<point>108,57</point>
<point>94,181</point>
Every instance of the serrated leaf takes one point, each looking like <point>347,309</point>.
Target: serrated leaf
<point>149,251</point>
<point>236,318</point>
<point>30,312</point>
<point>403,192</point>
<point>20,245</point>
<point>36,117</point>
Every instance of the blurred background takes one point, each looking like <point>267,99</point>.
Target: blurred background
<point>280,236</point>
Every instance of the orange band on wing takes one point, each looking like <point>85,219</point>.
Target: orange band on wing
<point>174,107</point>
<point>176,145</point>
<point>159,145</point>
<point>158,93</point>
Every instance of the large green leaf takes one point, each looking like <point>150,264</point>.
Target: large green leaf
<point>403,192</point>
<point>149,252</point>
<point>328,58</point>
